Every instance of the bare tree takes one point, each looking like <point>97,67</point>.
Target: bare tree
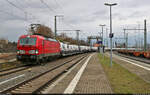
<point>45,31</point>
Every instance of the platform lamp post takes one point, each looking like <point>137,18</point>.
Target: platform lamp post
<point>111,34</point>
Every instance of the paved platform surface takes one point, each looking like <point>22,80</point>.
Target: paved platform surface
<point>92,80</point>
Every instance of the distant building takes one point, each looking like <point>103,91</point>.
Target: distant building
<point>3,41</point>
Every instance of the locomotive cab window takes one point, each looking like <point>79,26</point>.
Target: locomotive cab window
<point>28,41</point>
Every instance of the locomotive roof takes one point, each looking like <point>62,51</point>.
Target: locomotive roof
<point>31,36</point>
<point>39,36</point>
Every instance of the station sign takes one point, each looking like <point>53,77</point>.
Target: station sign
<point>99,42</point>
<point>111,35</point>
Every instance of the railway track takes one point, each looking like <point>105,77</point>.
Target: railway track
<point>37,83</point>
<point>13,70</point>
<point>134,58</point>
<point>10,69</point>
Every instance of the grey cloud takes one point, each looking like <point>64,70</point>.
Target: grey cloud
<point>83,14</point>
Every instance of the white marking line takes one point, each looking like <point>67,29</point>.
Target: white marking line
<point>135,61</point>
<point>127,60</point>
<point>12,60</point>
<point>60,79</point>
<point>74,82</point>
<point>11,79</point>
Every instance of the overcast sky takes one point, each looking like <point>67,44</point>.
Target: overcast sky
<point>86,15</point>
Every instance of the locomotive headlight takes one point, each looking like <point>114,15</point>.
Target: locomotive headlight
<point>36,51</point>
<point>18,52</point>
<point>21,52</point>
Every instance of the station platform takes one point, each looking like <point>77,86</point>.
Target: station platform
<point>93,79</point>
<point>86,77</point>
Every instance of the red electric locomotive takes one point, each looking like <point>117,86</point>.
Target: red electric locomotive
<point>36,48</point>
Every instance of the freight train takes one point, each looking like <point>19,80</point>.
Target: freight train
<point>133,52</point>
<point>36,48</point>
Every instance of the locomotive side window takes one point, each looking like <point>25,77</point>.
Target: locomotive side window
<point>27,41</point>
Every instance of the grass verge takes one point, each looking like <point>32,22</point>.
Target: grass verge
<point>121,80</point>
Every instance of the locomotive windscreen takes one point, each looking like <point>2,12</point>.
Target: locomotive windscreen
<point>27,41</point>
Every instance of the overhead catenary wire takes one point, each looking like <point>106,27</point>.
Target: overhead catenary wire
<point>15,6</point>
<point>19,17</point>
<point>50,9</point>
<point>11,14</point>
<point>22,10</point>
<point>25,12</point>
<point>69,25</point>
<point>18,1</point>
<point>59,5</point>
<point>29,15</point>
